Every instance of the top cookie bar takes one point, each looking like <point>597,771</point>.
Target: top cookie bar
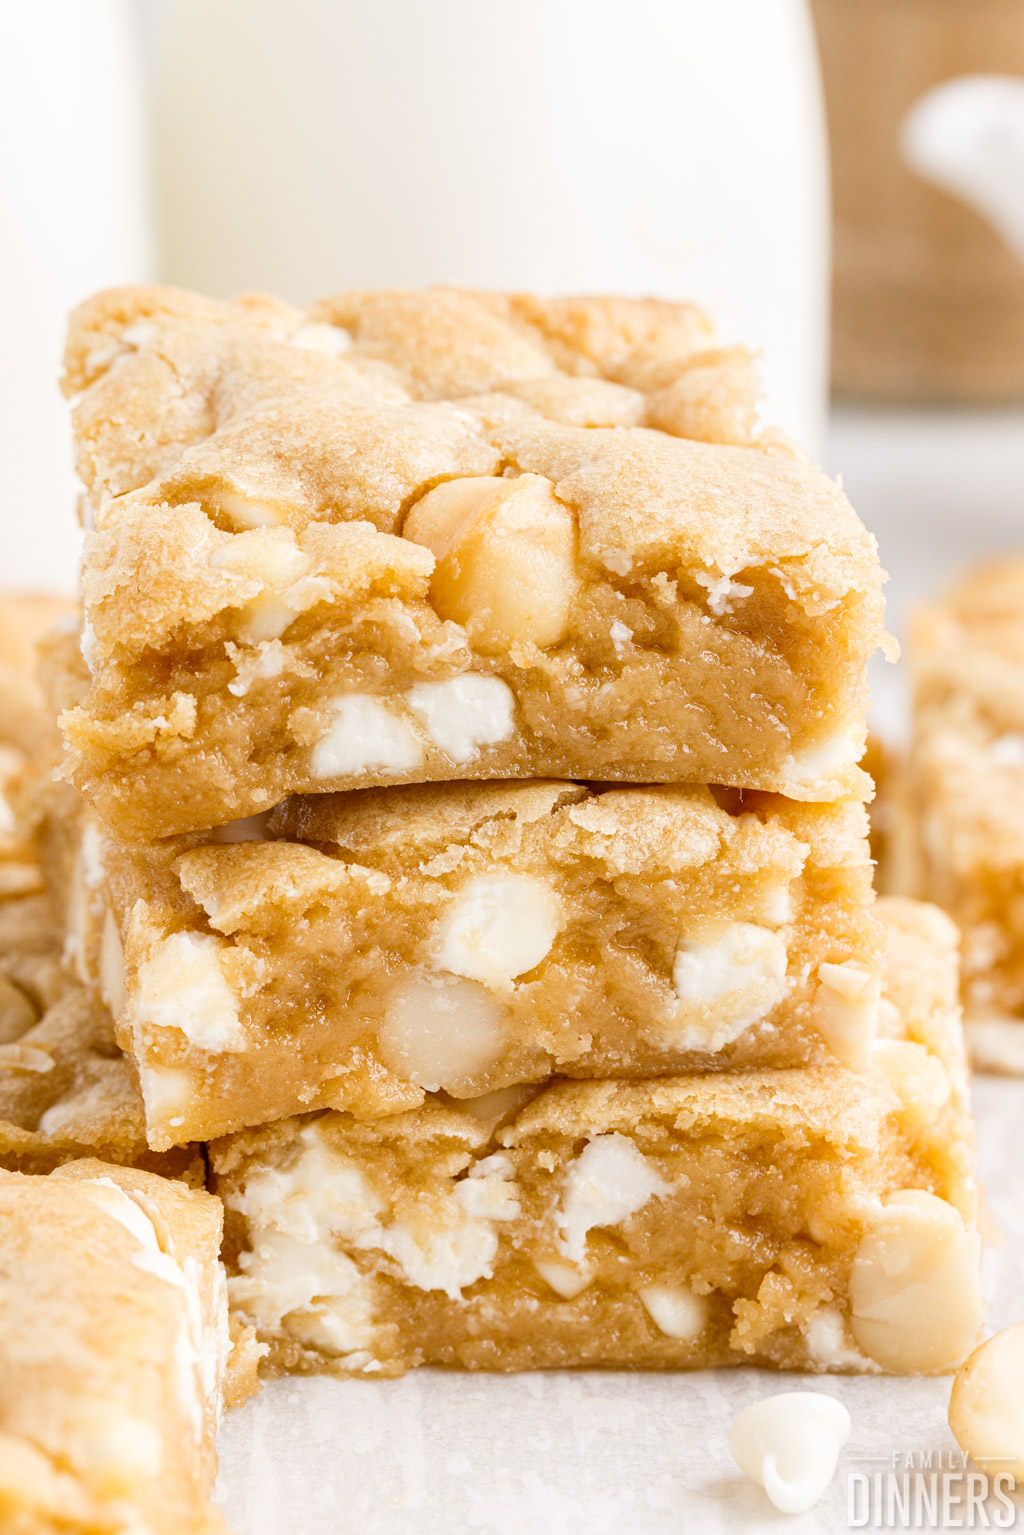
<point>401,537</point>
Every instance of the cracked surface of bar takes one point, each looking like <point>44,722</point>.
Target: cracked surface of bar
<point>404,537</point>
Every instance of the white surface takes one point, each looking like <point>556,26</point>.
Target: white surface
<point>74,220</point>
<point>586,1454</point>
<point>672,147</point>
<point>606,1454</point>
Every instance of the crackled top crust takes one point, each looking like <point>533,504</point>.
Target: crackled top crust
<point>178,395</point>
<point>557,515</point>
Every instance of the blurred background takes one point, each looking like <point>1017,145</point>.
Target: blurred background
<point>840,183</point>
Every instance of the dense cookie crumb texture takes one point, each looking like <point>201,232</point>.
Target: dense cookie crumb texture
<point>401,537</point>
<point>816,1219</point>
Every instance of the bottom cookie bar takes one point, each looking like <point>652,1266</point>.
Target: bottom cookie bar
<point>113,1349</point>
<point>816,1219</point>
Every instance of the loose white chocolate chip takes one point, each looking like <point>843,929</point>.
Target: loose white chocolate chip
<point>725,984</point>
<point>464,713</point>
<point>845,1010</point>
<point>506,558</point>
<point>364,735</point>
<point>915,1291</point>
<point>986,1407</point>
<point>789,1444</point>
<point>566,1281</point>
<point>609,1181</point>
<point>675,1310</point>
<point>439,1031</point>
<point>498,927</point>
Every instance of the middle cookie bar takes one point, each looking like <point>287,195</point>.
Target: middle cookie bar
<point>378,945</point>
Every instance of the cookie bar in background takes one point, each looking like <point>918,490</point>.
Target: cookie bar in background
<point>404,537</point>
<point>362,949</point>
<point>67,1091</point>
<point>113,1352</point>
<point>813,1219</point>
<point>960,826</point>
<point>25,725</point>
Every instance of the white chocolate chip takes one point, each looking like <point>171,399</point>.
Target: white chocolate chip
<point>318,337</point>
<point>112,987</point>
<point>845,1010</point>
<point>618,561</point>
<point>620,635</point>
<point>293,1213</point>
<point>123,1455</point>
<point>1007,750</point>
<point>915,1295</point>
<point>167,1092</point>
<point>566,1281</point>
<point>986,1407</point>
<point>498,927</point>
<point>440,1031</point>
<point>609,1181</point>
<point>725,984</point>
<point>464,713</point>
<point>825,1336</point>
<point>364,736</point>
<point>722,592</point>
<point>824,764</point>
<point>244,511</point>
<point>777,905</point>
<point>675,1310</point>
<point>182,985</point>
<point>789,1444</point>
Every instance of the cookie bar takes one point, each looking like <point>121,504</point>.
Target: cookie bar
<point>960,827</point>
<point>405,537</point>
<point>814,1219</point>
<point>467,937</point>
<point>68,1091</point>
<point>113,1350</point>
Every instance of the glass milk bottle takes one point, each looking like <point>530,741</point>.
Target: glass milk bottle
<point>669,147</point>
<point>72,191</point>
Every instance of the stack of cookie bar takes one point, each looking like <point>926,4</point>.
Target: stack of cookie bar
<point>471,845</point>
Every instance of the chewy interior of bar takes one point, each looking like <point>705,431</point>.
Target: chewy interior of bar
<point>812,1218</point>
<point>467,937</point>
<point>404,537</point>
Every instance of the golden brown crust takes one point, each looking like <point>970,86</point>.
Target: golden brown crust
<point>705,559</point>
